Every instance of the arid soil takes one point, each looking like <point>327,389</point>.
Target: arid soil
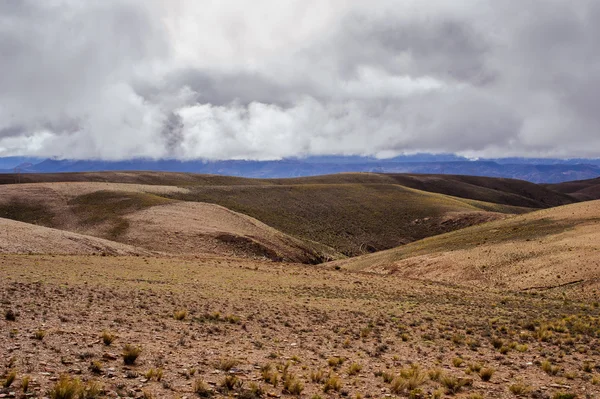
<point>263,329</point>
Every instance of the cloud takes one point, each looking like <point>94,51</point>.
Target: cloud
<point>117,79</point>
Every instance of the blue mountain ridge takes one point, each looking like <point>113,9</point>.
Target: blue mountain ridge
<point>533,170</point>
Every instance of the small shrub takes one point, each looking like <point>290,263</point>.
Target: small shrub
<point>587,367</point>
<point>457,362</point>
<point>107,337</point>
<point>486,374</point>
<point>130,354</point>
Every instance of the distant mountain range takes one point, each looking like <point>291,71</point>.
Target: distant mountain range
<point>533,170</point>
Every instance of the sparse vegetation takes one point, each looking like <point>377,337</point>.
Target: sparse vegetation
<point>131,353</point>
<point>10,378</point>
<point>107,337</point>
<point>202,389</point>
<point>180,314</point>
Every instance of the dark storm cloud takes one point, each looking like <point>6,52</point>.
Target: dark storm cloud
<point>118,79</point>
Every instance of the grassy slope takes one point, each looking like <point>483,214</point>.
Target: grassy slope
<point>547,248</point>
<point>352,218</point>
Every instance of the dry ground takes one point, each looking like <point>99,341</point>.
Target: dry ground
<point>377,336</point>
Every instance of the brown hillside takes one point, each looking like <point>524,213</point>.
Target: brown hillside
<point>348,214</point>
<point>495,190</point>
<point>351,218</point>
<point>140,216</point>
<point>24,238</point>
<point>543,250</point>
<point>583,190</point>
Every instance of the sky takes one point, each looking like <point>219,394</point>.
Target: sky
<point>272,79</point>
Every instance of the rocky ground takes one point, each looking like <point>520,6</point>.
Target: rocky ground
<point>223,327</point>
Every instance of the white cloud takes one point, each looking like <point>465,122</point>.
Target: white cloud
<point>270,79</point>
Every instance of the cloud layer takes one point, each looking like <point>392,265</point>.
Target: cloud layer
<point>232,79</point>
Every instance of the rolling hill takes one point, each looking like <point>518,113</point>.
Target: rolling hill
<point>138,215</point>
<point>309,219</point>
<point>543,250</point>
<point>583,190</point>
<point>26,238</point>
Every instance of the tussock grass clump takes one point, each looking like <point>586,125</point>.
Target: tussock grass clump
<point>520,389</point>
<point>10,378</point>
<point>156,374</point>
<point>549,369</point>
<point>180,314</point>
<point>354,369</point>
<point>317,376</point>
<point>409,379</point>
<point>588,367</point>
<point>130,354</point>
<point>227,364</point>
<point>335,362</point>
<point>564,395</point>
<point>39,335</point>
<point>25,383</point>
<point>486,374</point>
<point>457,362</point>
<point>201,388</point>
<point>332,383</point>
<point>292,385</point>
<point>66,388</point>
<point>435,374</point>
<point>107,337</point>
<point>269,375</point>
<point>96,367</point>
<point>230,383</point>
<point>452,383</point>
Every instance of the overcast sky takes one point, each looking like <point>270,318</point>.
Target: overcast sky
<point>269,79</point>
